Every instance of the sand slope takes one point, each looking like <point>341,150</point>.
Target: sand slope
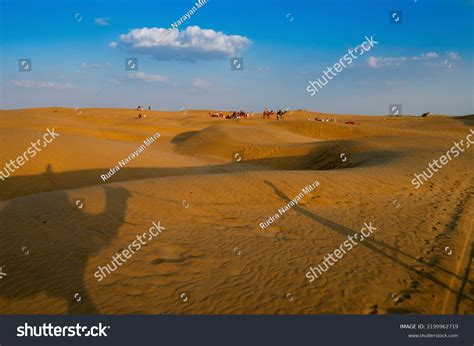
<point>213,257</point>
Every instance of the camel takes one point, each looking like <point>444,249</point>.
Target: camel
<point>267,113</point>
<point>233,115</point>
<point>280,114</point>
<point>60,240</point>
<point>217,115</point>
<point>326,120</point>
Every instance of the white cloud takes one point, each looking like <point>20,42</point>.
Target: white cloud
<point>390,61</point>
<point>381,61</point>
<point>113,44</point>
<point>40,84</point>
<point>454,56</point>
<point>426,56</point>
<point>148,77</point>
<point>201,83</point>
<point>190,44</point>
<point>102,21</point>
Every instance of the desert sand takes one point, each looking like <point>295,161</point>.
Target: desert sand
<point>213,257</point>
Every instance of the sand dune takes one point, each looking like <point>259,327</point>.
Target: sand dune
<point>213,256</point>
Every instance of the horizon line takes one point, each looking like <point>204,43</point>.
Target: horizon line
<point>220,110</point>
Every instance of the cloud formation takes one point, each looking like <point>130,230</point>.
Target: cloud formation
<point>102,21</point>
<point>454,56</point>
<point>382,61</point>
<point>40,84</point>
<point>149,78</point>
<point>190,44</point>
<point>428,58</point>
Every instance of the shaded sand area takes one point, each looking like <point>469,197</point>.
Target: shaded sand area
<point>213,257</point>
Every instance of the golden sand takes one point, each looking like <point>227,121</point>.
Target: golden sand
<point>213,257</point>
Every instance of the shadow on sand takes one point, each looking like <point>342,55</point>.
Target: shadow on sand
<point>42,256</point>
<point>57,255</point>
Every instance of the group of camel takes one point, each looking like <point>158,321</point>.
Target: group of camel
<point>232,115</point>
<point>332,119</point>
<point>241,114</point>
<point>279,114</point>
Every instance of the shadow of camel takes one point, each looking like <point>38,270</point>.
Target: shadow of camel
<point>63,239</point>
<point>46,244</point>
<point>376,246</point>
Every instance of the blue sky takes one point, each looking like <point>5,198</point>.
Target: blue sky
<point>78,51</point>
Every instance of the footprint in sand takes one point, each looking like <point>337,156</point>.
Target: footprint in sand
<point>422,270</point>
<point>371,310</point>
<point>419,269</point>
<point>429,250</point>
<point>405,295</point>
<point>167,260</point>
<point>413,284</point>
